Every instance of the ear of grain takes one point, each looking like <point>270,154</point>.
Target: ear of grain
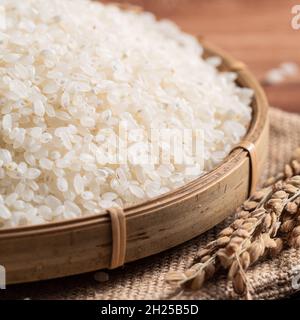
<point>198,282</point>
<point>278,249</point>
<point>239,284</point>
<point>234,268</point>
<point>256,232</point>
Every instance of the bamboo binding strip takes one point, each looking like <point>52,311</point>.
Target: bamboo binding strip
<point>250,148</point>
<point>119,237</point>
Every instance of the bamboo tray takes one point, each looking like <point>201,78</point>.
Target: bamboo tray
<point>83,245</point>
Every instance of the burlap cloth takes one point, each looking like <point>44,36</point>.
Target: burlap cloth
<point>145,279</point>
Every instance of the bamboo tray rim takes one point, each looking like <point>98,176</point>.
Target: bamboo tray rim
<point>259,117</point>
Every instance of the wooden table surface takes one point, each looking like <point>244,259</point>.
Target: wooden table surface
<point>258,32</point>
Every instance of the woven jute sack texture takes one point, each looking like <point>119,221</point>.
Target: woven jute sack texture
<point>270,279</point>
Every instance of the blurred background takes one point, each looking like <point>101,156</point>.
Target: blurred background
<point>258,32</point>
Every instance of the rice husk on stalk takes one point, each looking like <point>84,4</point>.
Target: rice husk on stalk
<point>267,222</point>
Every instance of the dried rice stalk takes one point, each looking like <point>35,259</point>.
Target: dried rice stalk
<point>264,224</point>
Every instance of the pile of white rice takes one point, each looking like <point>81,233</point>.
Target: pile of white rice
<point>70,72</point>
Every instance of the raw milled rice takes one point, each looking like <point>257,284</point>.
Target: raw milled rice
<point>70,72</point>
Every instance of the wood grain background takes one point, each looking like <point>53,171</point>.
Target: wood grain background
<point>258,32</point>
